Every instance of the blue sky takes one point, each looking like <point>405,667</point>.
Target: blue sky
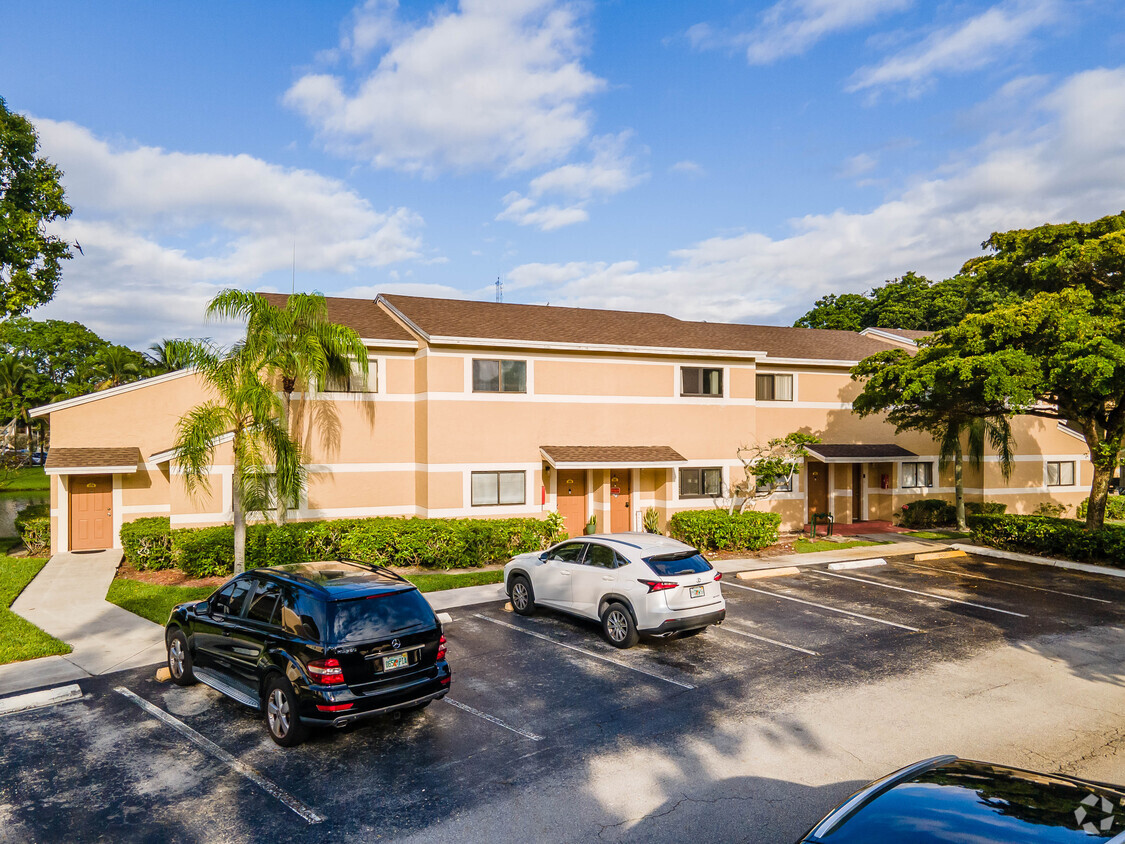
<point>714,160</point>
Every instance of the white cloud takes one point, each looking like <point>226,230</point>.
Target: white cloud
<point>524,211</point>
<point>858,165</point>
<point>161,231</point>
<point>969,45</point>
<point>493,85</point>
<point>1072,166</point>
<point>692,168</point>
<point>791,27</point>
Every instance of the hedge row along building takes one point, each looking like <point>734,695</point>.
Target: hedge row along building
<point>485,409</point>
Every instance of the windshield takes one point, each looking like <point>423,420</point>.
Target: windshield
<point>380,616</point>
<point>682,562</point>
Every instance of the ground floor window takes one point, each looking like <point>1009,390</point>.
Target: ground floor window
<point>917,474</point>
<point>498,488</point>
<point>1060,473</point>
<point>702,482</point>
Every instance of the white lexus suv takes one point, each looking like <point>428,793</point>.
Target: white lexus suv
<point>633,583</point>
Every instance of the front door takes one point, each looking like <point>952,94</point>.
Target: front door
<point>620,502</point>
<point>818,488</point>
<point>858,515</point>
<point>91,512</point>
<point>570,487</point>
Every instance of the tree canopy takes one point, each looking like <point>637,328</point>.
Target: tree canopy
<point>31,195</point>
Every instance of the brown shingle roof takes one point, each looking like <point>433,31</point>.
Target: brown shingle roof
<point>610,454</point>
<point>552,324</point>
<point>859,451</point>
<point>368,320</point>
<point>93,458</point>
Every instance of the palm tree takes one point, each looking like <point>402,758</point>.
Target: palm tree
<point>298,344</point>
<point>267,461</point>
<point>997,430</point>
<point>15,377</point>
<point>170,355</point>
<point>116,365</point>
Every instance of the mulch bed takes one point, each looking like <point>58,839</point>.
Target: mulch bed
<point>166,577</point>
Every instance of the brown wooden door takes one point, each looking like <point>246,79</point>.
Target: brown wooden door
<point>817,488</point>
<point>857,493</point>
<point>571,497</point>
<point>620,501</point>
<point>91,512</point>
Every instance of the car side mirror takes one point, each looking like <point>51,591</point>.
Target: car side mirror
<point>543,557</point>
<point>203,608</point>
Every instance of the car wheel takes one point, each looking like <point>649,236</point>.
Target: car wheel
<point>282,718</point>
<point>523,600</point>
<point>179,660</point>
<point>618,626</point>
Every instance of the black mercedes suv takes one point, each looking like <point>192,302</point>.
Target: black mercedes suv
<point>312,644</point>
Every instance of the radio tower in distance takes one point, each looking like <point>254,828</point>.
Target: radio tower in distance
<point>499,290</point>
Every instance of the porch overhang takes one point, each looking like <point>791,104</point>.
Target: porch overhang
<point>860,453</point>
<point>93,461</point>
<point>611,456</point>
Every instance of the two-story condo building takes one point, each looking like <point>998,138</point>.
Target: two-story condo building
<point>484,409</point>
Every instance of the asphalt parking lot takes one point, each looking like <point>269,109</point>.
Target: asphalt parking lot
<point>135,759</point>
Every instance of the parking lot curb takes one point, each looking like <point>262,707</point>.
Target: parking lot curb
<point>985,551</point>
<point>940,555</point>
<point>37,700</point>
<point>758,574</point>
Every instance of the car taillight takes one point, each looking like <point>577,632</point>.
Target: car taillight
<point>335,707</point>
<point>441,649</point>
<point>326,671</point>
<point>659,585</point>
<point>718,575</point>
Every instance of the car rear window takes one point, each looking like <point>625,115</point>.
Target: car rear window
<point>380,616</point>
<point>682,562</point>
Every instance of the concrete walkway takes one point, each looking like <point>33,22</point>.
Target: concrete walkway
<point>67,600</point>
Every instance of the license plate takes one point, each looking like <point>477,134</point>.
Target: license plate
<point>696,591</point>
<point>396,661</point>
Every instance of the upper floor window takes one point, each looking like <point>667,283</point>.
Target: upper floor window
<point>1060,473</point>
<point>917,474</point>
<point>698,483</point>
<point>498,488</point>
<point>353,381</point>
<point>774,387</point>
<point>700,381</point>
<point>499,376</point>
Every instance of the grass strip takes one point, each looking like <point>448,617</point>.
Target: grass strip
<point>19,638</point>
<point>151,600</point>
<point>437,582</point>
<point>809,546</point>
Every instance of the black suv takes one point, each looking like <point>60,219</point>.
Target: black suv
<point>312,644</point>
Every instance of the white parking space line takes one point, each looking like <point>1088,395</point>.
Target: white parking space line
<point>826,607</point>
<point>37,700</point>
<point>584,651</point>
<point>916,592</point>
<point>1009,583</point>
<point>466,708</point>
<point>728,629</point>
<point>205,743</point>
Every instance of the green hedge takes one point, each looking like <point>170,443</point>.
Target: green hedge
<point>147,543</point>
<point>929,512</point>
<point>1051,537</point>
<point>986,508</point>
<point>1114,507</point>
<point>718,530</point>
<point>428,543</point>
<point>33,524</point>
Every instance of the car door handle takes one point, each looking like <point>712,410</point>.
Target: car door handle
<point>608,578</point>
<point>565,573</point>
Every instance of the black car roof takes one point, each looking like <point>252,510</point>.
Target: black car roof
<point>340,579</point>
<point>963,801</point>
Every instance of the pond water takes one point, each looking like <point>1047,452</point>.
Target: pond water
<point>10,505</point>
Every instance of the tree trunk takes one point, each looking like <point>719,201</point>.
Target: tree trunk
<point>282,508</point>
<point>1099,491</point>
<point>959,486</point>
<point>239,526</point>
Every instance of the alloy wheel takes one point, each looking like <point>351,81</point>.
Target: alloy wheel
<point>176,658</point>
<point>277,711</point>
<point>519,596</point>
<point>617,625</point>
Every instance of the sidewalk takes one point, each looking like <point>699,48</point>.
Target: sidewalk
<point>67,600</point>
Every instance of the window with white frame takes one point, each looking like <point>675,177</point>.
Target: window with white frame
<point>354,381</point>
<point>701,381</point>
<point>1060,473</point>
<point>782,485</point>
<point>916,475</point>
<point>774,387</point>
<point>703,482</point>
<point>499,376</point>
<point>492,488</point>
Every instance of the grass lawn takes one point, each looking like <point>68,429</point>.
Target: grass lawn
<point>29,478</point>
<point>939,534</point>
<point>20,639</point>
<point>155,602</point>
<point>808,546</point>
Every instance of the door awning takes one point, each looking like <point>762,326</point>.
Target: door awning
<point>615,456</point>
<point>93,461</point>
<point>859,452</point>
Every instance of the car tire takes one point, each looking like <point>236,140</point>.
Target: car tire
<point>618,626</point>
<point>283,721</point>
<point>179,660</point>
<point>523,599</point>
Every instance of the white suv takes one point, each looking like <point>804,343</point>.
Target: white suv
<point>634,583</point>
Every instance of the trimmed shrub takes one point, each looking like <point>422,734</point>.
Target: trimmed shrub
<point>1114,507</point>
<point>33,524</point>
<point>718,530</point>
<point>927,513</point>
<point>1051,537</point>
<point>986,508</point>
<point>147,543</point>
